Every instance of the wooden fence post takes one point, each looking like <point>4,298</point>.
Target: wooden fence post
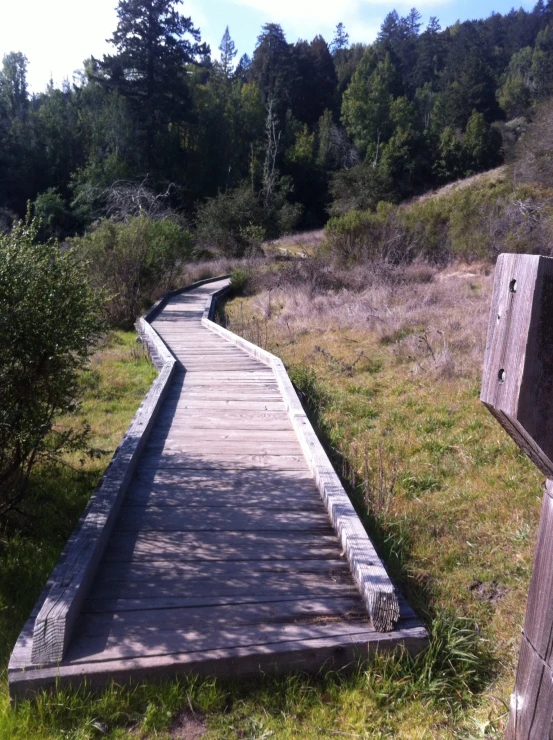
<point>517,388</point>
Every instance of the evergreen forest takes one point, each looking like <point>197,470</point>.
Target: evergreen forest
<point>242,149</point>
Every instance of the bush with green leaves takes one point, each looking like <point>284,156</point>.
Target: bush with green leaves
<point>48,321</point>
<point>56,220</point>
<point>237,222</point>
<point>360,188</point>
<point>240,278</point>
<point>473,222</point>
<point>133,262</point>
<point>226,220</point>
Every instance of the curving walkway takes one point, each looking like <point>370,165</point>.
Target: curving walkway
<point>223,559</point>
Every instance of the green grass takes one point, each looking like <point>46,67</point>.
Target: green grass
<point>382,701</point>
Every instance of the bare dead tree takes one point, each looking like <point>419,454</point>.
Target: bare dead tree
<point>124,200</point>
<point>270,172</point>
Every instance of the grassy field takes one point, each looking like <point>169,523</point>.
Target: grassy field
<point>389,369</point>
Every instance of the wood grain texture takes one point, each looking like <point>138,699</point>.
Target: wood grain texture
<point>531,707</point>
<point>70,580</point>
<point>517,388</point>
<point>304,656</point>
<point>517,383</point>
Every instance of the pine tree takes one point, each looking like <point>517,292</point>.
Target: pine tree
<point>152,50</point>
<point>228,53</point>
<point>13,84</point>
<point>272,66</point>
<point>340,40</point>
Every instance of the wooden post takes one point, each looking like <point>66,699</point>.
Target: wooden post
<point>517,388</point>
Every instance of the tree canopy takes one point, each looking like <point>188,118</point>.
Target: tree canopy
<point>419,105</point>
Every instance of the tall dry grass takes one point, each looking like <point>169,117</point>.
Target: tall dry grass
<point>433,319</point>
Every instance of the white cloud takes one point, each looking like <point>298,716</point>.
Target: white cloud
<point>56,36</point>
<point>305,18</point>
<point>304,11</point>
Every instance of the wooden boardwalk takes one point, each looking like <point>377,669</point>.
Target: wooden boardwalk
<point>223,559</point>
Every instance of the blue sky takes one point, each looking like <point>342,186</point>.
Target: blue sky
<point>57,35</point>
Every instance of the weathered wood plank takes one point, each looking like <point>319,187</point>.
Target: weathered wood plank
<point>73,575</point>
<point>204,422</point>
<point>518,366</point>
<point>249,478</point>
<point>377,590</point>
<point>177,435</point>
<point>120,606</point>
<point>538,625</point>
<point>335,569</point>
<point>192,446</point>
<point>263,582</point>
<point>211,405</point>
<point>531,709</point>
<point>224,496</point>
<point>136,623</point>
<point>223,463</point>
<point>221,546</point>
<point>185,641</point>
<point>185,519</point>
<point>334,652</point>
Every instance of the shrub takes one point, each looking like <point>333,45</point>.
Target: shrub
<point>237,222</point>
<point>239,279</point>
<point>228,220</point>
<point>475,221</point>
<point>48,319</point>
<point>54,216</point>
<point>360,188</point>
<point>360,235</point>
<point>534,150</point>
<point>133,263</point>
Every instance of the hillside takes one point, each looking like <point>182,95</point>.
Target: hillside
<point>245,147</point>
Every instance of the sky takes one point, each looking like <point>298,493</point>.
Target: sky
<point>57,35</point>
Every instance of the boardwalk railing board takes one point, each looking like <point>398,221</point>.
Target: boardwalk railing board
<point>517,388</point>
<point>377,590</point>
<point>68,585</point>
<point>70,580</point>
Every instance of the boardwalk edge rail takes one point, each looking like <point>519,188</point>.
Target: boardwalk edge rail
<point>377,590</point>
<point>61,600</point>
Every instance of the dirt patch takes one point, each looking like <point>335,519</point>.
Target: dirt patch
<point>188,726</point>
<point>490,591</point>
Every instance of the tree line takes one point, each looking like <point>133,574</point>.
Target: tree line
<point>248,148</point>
